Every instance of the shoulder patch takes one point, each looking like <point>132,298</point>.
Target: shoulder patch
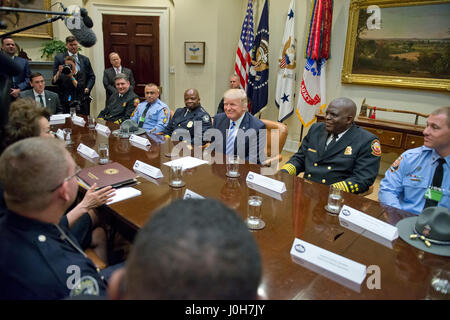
<point>165,111</point>
<point>136,102</point>
<point>124,104</point>
<point>87,285</point>
<point>205,118</point>
<point>376,148</point>
<point>394,167</point>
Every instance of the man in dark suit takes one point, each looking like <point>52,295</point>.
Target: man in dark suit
<point>240,130</point>
<point>234,84</point>
<point>337,152</point>
<point>45,98</point>
<point>110,73</point>
<point>83,64</point>
<point>21,81</point>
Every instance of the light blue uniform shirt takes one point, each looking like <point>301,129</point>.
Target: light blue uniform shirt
<point>157,117</point>
<point>408,178</point>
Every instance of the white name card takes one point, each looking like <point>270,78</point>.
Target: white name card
<point>91,153</point>
<point>57,119</point>
<point>378,227</point>
<point>102,129</point>
<point>189,194</point>
<point>124,193</point>
<point>79,121</point>
<point>329,261</point>
<point>265,182</point>
<point>147,169</point>
<point>60,134</point>
<point>139,140</point>
<point>366,233</point>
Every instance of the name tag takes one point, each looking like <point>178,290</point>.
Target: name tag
<point>102,129</point>
<point>331,262</point>
<point>79,121</point>
<point>91,153</point>
<point>433,194</point>
<point>60,134</point>
<point>378,227</point>
<point>147,169</point>
<point>265,182</point>
<point>189,194</point>
<point>312,150</point>
<point>139,140</point>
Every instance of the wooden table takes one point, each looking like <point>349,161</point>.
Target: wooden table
<point>405,270</point>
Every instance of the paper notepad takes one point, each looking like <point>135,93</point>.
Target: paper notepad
<point>125,193</point>
<point>186,162</point>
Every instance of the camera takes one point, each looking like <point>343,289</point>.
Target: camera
<point>66,69</point>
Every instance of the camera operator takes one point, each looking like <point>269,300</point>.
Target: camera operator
<point>71,83</point>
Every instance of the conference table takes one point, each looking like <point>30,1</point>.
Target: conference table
<point>404,272</point>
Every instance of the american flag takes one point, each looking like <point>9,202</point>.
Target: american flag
<point>243,58</point>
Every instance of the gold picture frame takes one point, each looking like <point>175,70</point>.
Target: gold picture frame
<point>398,57</point>
<point>194,52</point>
<point>26,19</point>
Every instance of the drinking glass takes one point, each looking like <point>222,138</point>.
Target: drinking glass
<point>91,122</point>
<point>232,166</point>
<point>334,200</point>
<point>254,214</point>
<point>103,152</point>
<point>68,136</point>
<point>73,112</point>
<point>176,172</point>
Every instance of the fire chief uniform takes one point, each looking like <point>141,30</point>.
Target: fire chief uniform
<point>44,262</point>
<point>119,107</point>
<point>351,164</point>
<point>152,117</point>
<point>185,118</point>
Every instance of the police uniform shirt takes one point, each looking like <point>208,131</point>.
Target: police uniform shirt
<point>184,118</point>
<point>119,107</point>
<point>157,116</point>
<point>351,164</point>
<point>406,181</point>
<point>37,263</point>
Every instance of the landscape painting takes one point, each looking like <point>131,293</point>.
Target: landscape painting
<point>409,47</point>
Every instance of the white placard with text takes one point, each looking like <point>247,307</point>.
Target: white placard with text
<point>91,153</point>
<point>60,134</point>
<point>147,169</point>
<point>189,194</point>
<point>265,182</point>
<point>79,121</point>
<point>102,128</point>
<point>339,265</point>
<point>139,140</point>
<point>380,228</point>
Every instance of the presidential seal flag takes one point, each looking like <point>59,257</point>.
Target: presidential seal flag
<point>258,78</point>
<point>284,94</point>
<point>243,58</point>
<point>311,91</point>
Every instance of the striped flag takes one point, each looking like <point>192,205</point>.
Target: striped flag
<point>284,94</point>
<point>243,58</point>
<point>312,91</point>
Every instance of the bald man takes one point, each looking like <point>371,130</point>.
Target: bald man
<point>234,84</point>
<point>338,152</point>
<point>189,116</point>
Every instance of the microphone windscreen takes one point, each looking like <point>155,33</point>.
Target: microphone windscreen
<point>86,19</point>
<point>85,36</point>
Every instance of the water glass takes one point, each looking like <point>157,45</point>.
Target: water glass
<point>91,122</point>
<point>103,152</point>
<point>439,287</point>
<point>334,200</point>
<point>176,172</point>
<point>73,112</point>
<point>254,213</point>
<point>68,136</point>
<point>232,166</point>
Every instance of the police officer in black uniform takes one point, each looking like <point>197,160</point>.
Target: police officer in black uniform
<point>188,118</point>
<point>39,256</point>
<point>120,104</point>
<point>337,151</point>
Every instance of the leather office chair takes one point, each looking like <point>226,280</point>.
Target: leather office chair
<point>283,131</point>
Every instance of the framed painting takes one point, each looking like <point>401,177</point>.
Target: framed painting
<point>194,52</point>
<point>398,43</point>
<point>15,21</point>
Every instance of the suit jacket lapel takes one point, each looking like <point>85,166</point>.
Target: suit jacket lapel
<point>322,141</point>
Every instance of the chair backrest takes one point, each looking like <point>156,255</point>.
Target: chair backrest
<point>283,131</point>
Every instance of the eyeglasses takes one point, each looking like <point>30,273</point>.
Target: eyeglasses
<point>77,171</point>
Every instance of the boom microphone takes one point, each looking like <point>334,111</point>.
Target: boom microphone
<point>79,25</point>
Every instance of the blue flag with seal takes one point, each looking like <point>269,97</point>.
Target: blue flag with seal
<point>258,77</point>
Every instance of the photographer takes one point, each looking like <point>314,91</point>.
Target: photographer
<point>71,83</point>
